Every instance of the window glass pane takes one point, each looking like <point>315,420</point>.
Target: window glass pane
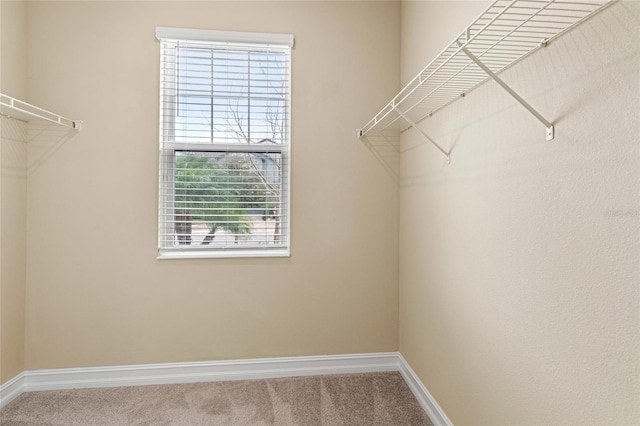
<point>227,198</point>
<point>230,96</point>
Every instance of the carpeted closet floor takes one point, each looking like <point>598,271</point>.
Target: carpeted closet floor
<point>349,400</point>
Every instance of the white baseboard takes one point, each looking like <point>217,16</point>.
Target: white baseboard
<point>211,371</point>
<point>11,390</point>
<point>428,402</point>
<point>208,371</point>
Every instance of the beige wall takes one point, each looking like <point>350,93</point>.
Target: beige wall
<point>96,295</point>
<point>518,272</point>
<point>519,261</point>
<point>13,191</point>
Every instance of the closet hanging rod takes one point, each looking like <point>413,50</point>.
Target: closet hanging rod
<point>15,108</point>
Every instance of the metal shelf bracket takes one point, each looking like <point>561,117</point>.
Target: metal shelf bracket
<point>415,126</point>
<point>508,89</point>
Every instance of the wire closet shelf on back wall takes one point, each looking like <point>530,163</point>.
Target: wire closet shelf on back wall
<point>502,35</point>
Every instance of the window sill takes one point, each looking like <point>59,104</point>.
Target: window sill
<point>223,254</point>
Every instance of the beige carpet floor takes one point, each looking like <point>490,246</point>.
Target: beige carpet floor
<point>375,399</point>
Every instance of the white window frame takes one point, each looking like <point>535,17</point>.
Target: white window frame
<point>168,150</point>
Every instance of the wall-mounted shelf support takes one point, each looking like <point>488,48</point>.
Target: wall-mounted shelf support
<point>415,126</point>
<point>12,107</point>
<point>505,86</point>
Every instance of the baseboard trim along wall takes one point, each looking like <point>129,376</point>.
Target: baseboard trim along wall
<point>11,390</point>
<point>428,402</point>
<point>210,371</point>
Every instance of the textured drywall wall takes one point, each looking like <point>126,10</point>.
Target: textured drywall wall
<point>519,272</point>
<point>13,191</point>
<point>96,294</point>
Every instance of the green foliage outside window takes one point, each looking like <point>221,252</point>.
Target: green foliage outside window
<point>221,190</point>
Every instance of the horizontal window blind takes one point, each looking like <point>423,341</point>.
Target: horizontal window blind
<point>224,148</point>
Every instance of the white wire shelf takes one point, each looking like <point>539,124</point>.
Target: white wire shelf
<point>502,35</point>
<point>15,108</point>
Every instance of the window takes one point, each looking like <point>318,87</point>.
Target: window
<point>224,143</point>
